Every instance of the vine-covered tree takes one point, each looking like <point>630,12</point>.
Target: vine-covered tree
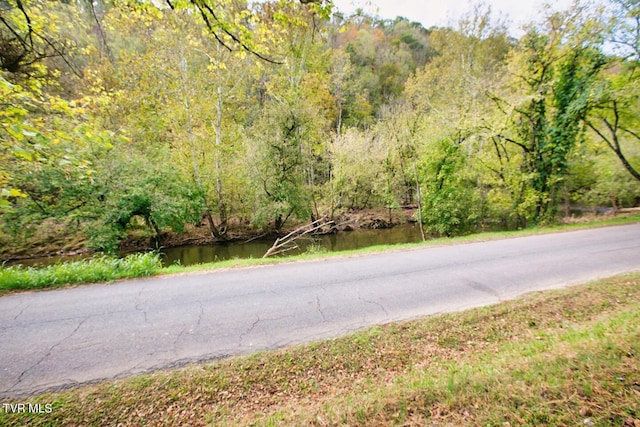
<point>554,73</point>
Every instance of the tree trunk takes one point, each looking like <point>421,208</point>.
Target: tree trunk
<point>567,201</point>
<point>212,226</point>
<point>222,209</point>
<point>419,196</point>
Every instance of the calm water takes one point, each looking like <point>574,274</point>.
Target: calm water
<point>192,254</point>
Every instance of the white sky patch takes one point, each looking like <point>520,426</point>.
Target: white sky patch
<point>448,12</point>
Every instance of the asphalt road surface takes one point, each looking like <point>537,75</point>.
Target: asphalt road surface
<point>60,338</point>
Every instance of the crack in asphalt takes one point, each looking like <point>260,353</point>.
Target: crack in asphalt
<point>248,331</point>
<point>138,306</point>
<point>374,303</point>
<point>186,328</point>
<point>319,308</point>
<point>65,319</point>
<point>259,320</point>
<point>175,342</point>
<point>4,328</point>
<point>201,315</point>
<point>21,311</point>
<point>42,359</point>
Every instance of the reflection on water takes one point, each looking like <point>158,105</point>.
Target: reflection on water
<point>192,254</point>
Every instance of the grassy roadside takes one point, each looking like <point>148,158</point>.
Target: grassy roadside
<point>99,269</point>
<point>141,265</point>
<point>568,357</point>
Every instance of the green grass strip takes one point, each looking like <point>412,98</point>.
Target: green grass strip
<point>98,269</point>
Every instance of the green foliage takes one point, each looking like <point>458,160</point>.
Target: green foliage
<point>555,77</point>
<point>49,157</point>
<point>598,180</point>
<point>445,127</point>
<point>380,57</point>
<point>98,269</point>
<point>166,127</point>
<point>614,117</point>
<point>358,161</point>
<point>288,135</point>
<point>38,134</point>
<point>131,187</point>
<point>279,161</point>
<point>451,206</point>
<point>64,169</point>
<point>31,32</point>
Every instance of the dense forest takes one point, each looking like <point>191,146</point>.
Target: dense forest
<point>124,114</point>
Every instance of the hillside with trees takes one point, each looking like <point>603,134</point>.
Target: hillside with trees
<point>130,114</point>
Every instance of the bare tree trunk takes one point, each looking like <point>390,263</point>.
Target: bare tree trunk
<point>100,33</point>
<point>222,209</point>
<point>212,226</point>
<point>567,201</point>
<point>339,120</point>
<point>419,196</point>
<point>615,204</point>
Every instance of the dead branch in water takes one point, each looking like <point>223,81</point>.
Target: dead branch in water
<point>288,242</point>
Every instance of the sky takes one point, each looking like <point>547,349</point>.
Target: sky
<point>447,12</point>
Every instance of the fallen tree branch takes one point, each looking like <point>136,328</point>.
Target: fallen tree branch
<point>287,243</point>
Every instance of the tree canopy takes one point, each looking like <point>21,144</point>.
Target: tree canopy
<point>121,117</point>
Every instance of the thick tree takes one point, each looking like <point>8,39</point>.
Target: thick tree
<point>554,73</point>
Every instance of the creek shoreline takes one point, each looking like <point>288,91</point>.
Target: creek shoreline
<point>54,243</point>
<point>51,241</point>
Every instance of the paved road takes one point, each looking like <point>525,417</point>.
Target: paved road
<point>64,337</point>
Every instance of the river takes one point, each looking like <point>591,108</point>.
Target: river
<point>346,240</point>
<point>198,254</point>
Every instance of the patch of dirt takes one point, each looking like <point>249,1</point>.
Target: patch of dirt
<point>374,219</point>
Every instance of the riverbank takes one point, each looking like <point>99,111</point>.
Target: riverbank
<point>567,357</point>
<point>149,263</point>
<point>54,240</point>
